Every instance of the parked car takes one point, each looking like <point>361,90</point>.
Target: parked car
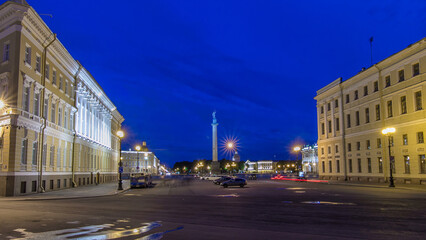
<point>234,182</point>
<point>221,179</point>
<point>140,180</point>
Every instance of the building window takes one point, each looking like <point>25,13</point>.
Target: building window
<point>47,71</point>
<point>330,167</point>
<point>379,143</point>
<point>387,81</point>
<point>322,129</point>
<point>380,161</point>
<point>52,155</point>
<point>6,49</point>
<point>420,138</point>
<point>26,99</point>
<point>28,55</point>
<point>350,165</point>
<point>349,147</point>
<point>44,154</point>
<point>36,104</point>
<point>365,90</point>
<point>337,166</point>
<point>376,86</point>
<point>390,114</point>
<point>357,118</point>
<point>59,116</point>
<point>51,184</point>
<point>34,186</point>
<point>359,165</point>
<point>337,148</point>
<point>323,166</point>
<point>348,120</point>
<point>404,139</point>
<point>369,164</point>
<point>367,115</point>
<point>401,76</point>
<point>407,164</point>
<point>418,96</point>
<point>416,69</point>
<point>347,98</point>
<point>54,77</point>
<point>358,146</point>
<point>58,158</point>
<point>322,109</point>
<point>336,103</point>
<point>66,119</point>
<point>24,151</point>
<point>368,144</point>
<point>59,183</point>
<point>66,87</point>
<point>329,126</point>
<point>60,82</point>
<point>356,95</point>
<point>328,106</point>
<point>35,151</point>
<point>422,163</point>
<point>52,114</point>
<point>23,187</point>
<point>403,105</point>
<point>38,64</point>
<point>377,112</point>
<point>337,124</point>
<point>329,149</point>
<point>322,151</point>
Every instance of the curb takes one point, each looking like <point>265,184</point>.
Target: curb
<point>376,186</point>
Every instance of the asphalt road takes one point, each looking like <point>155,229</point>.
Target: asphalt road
<point>201,210</point>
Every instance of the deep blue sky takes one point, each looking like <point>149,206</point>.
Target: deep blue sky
<point>167,65</point>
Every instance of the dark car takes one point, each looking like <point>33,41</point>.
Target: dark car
<point>234,182</point>
<point>221,180</point>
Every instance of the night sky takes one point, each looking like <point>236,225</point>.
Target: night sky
<point>167,65</point>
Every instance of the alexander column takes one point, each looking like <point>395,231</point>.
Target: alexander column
<point>215,163</point>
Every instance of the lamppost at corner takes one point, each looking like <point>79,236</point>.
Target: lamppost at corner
<point>388,132</point>
<point>138,148</point>
<point>297,150</point>
<point>120,135</point>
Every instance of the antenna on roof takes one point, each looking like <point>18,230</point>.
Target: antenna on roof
<point>371,49</point>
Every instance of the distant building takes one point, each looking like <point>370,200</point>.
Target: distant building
<point>270,166</point>
<point>310,158</point>
<point>351,115</point>
<point>57,125</point>
<point>236,157</point>
<point>143,161</point>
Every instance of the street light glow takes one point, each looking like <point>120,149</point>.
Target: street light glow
<point>138,148</point>
<point>2,104</point>
<point>296,149</point>
<point>120,133</point>
<point>388,130</point>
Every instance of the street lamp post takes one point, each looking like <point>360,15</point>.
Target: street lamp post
<point>388,132</point>
<point>138,148</point>
<point>297,150</point>
<point>120,135</point>
<point>233,166</point>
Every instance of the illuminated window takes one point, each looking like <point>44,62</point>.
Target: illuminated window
<point>404,139</point>
<point>416,69</point>
<point>401,76</point>
<point>422,163</point>
<point>380,162</point>
<point>403,105</point>
<point>407,164</point>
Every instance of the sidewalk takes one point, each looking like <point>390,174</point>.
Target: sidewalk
<point>105,189</point>
<point>415,187</point>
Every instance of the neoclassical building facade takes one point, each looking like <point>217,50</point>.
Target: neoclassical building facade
<point>143,161</point>
<point>351,115</point>
<point>57,126</point>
